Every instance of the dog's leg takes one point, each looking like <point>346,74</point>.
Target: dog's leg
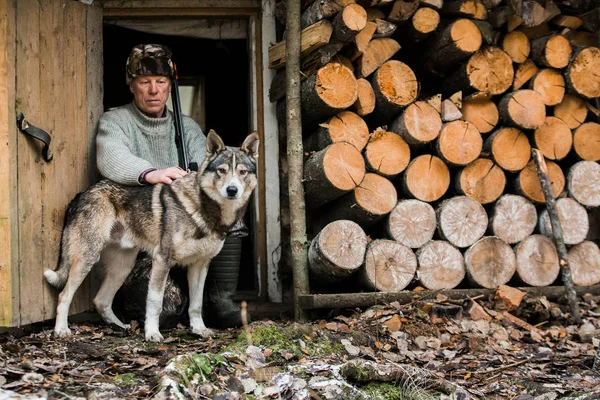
<point>117,263</point>
<point>196,279</point>
<point>154,302</point>
<point>80,267</point>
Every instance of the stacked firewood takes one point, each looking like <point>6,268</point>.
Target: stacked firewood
<point>419,117</point>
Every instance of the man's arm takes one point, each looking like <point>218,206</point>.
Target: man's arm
<point>196,141</point>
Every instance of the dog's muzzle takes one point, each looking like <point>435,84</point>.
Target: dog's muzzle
<point>232,192</point>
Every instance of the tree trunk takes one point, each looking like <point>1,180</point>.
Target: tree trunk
<point>459,143</point>
<point>550,84</point>
<point>465,8</point>
<point>389,266</point>
<point>586,141</point>
<point>441,265</point>
<point>584,260</point>
<point>584,183</point>
<point>552,51</point>
<point>523,74</point>
<point>378,52</point>
<point>509,147</point>
<point>386,153</point>
<point>423,23</point>
<point>482,180</point>
<point>372,200</point>
<point>343,127</point>
<point>331,90</point>
<point>489,70</point>
<point>528,184</point>
<point>572,110</point>
<point>573,218</point>
<point>461,221</point>
<point>365,102</point>
<point>348,22</point>
<point>513,218</point>
<point>516,45</point>
<point>333,171</point>
<point>359,43</point>
<point>402,10</point>
<point>456,42</point>
<point>426,178</point>
<point>418,124</point>
<point>537,261</point>
<point>395,86</point>
<point>490,262</point>
<point>524,109</point>
<point>554,139</point>
<point>411,223</point>
<point>337,251</point>
<point>481,111</point>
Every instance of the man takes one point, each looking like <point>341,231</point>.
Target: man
<point>136,146</point>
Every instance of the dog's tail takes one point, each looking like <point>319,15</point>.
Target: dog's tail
<point>57,278</point>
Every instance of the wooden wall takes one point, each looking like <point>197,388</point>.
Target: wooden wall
<point>51,71</point>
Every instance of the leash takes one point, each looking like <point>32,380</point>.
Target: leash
<point>36,133</point>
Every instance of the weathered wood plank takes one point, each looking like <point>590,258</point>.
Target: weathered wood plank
<point>181,4</point>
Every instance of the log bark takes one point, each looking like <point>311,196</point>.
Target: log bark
<point>426,178</point>
<point>552,51</point>
<point>516,45</point>
<point>418,124</point>
<point>402,10</point>
<point>567,21</point>
<point>513,218</point>
<point>586,141</point>
<point>482,180</point>
<point>389,266</point>
<point>528,184</point>
<point>550,84</point>
<point>488,70</point>
<point>337,251</point>
<point>422,24</point>
<point>436,4</point>
<point>441,265</point>
<point>537,261</point>
<point>584,183</point>
<point>573,219</point>
<point>365,101</point>
<point>320,10</point>
<point>343,127</point>
<point>384,28</point>
<point>524,73</point>
<point>331,90</point>
<point>490,262</point>
<point>395,86</point>
<point>524,109</point>
<point>461,221</point>
<point>411,223</point>
<point>450,112</point>
<point>331,172</point>
<point>591,20</point>
<point>369,202</point>
<point>554,139</point>
<point>474,9</point>
<point>359,43</point>
<point>481,111</point>
<point>572,110</point>
<point>313,37</point>
<point>348,22</point>
<point>317,59</point>
<point>386,153</point>
<point>459,143</point>
<point>489,35</point>
<point>456,42</point>
<point>585,263</point>
<point>374,13</point>
<point>378,52</point>
<point>509,147</point>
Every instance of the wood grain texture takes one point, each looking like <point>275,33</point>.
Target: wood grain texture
<point>441,265</point>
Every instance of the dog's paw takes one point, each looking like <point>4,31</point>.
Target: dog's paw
<point>154,336</point>
<point>203,332</point>
<point>62,332</point>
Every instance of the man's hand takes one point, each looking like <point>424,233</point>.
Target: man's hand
<point>167,175</point>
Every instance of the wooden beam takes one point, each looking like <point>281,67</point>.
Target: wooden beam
<point>120,4</point>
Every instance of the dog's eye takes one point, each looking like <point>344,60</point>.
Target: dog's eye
<point>222,170</point>
<point>243,172</point>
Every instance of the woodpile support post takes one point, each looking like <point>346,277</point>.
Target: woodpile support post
<point>298,239</point>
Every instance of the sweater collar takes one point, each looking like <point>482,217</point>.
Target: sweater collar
<point>149,125</point>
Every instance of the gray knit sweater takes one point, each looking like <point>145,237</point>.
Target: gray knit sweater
<point>129,142</point>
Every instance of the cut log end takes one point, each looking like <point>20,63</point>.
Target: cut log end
<point>412,223</point>
<point>537,261</point>
<point>377,52</point>
<point>554,139</point>
<point>462,221</point>
<point>466,36</point>
<point>510,149</point>
<point>397,83</point>
<point>572,110</point>
<point>550,84</point>
<point>389,266</point>
<point>584,183</point>
<point>425,21</point>
<point>482,180</point>
<point>481,112</point>
<point>441,265</point>
<point>584,260</point>
<point>528,182</point>
<point>524,73</point>
<point>513,219</point>
<point>490,70</point>
<point>573,219</point>
<point>365,102</point>
<point>582,75</point>
<point>516,45</point>
<point>427,178</point>
<point>524,109</point>
<point>490,262</point>
<point>557,52</point>
<point>586,141</point>
<point>376,194</point>
<point>336,86</point>
<point>343,167</point>
<point>419,123</point>
<point>459,143</point>
<point>348,127</point>
<point>387,153</point>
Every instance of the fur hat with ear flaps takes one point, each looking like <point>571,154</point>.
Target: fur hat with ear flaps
<point>149,60</point>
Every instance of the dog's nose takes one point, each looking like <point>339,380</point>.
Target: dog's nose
<point>231,191</point>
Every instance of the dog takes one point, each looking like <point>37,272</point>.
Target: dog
<point>184,223</point>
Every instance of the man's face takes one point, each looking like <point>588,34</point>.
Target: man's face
<point>150,94</point>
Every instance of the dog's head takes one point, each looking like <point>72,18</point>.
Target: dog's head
<point>229,173</point>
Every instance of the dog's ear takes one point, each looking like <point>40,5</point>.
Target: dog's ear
<point>214,143</point>
<point>250,145</point>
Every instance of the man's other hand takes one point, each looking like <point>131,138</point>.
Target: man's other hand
<point>167,175</point>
